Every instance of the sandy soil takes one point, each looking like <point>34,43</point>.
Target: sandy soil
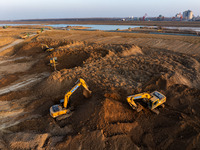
<point>9,35</point>
<point>114,65</point>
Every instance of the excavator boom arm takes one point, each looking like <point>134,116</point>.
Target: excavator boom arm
<point>130,99</point>
<point>83,83</point>
<point>68,94</point>
<point>44,45</point>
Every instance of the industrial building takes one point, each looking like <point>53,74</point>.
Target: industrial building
<point>188,15</point>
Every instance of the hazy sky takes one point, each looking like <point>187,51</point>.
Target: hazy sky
<point>38,9</point>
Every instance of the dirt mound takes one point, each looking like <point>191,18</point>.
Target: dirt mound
<point>106,68</point>
<point>119,114</point>
<point>135,50</point>
<point>28,49</point>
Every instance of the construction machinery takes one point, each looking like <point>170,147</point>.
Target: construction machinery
<point>46,48</point>
<point>5,27</point>
<point>54,62</point>
<point>24,36</point>
<point>153,100</point>
<point>62,109</point>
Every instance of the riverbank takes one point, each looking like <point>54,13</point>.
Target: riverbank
<point>136,23</point>
<point>181,31</point>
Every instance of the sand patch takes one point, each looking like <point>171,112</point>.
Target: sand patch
<point>24,140</point>
<point>135,50</point>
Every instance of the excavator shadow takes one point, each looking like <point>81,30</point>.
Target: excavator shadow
<point>142,106</point>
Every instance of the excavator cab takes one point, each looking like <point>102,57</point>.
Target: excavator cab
<point>53,60</point>
<point>156,100</point>
<point>150,104</point>
<point>59,110</point>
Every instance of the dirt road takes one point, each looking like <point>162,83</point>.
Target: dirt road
<point>11,45</point>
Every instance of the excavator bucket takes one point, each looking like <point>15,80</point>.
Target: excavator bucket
<point>86,93</point>
<point>139,108</point>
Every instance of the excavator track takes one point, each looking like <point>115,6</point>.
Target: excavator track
<point>155,111</point>
<point>64,116</point>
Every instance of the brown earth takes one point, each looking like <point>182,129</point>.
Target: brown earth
<point>114,65</point>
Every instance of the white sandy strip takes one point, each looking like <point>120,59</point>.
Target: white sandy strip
<point>10,60</point>
<point>10,111</point>
<point>22,84</point>
<point>11,45</point>
<point>12,122</point>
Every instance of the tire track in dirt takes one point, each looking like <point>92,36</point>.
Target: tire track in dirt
<point>12,110</point>
<point>11,60</point>
<point>24,83</point>
<point>11,45</point>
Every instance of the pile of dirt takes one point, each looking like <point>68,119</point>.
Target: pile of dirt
<point>135,50</point>
<point>107,66</point>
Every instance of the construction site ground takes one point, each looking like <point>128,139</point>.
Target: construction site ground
<point>114,65</point>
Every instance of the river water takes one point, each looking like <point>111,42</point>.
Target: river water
<point>90,27</point>
<point>97,27</point>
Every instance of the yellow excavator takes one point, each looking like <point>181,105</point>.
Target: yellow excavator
<point>24,36</point>
<point>60,110</point>
<point>46,48</point>
<point>54,62</point>
<point>153,100</point>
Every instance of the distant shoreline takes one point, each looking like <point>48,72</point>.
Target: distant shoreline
<point>137,23</point>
